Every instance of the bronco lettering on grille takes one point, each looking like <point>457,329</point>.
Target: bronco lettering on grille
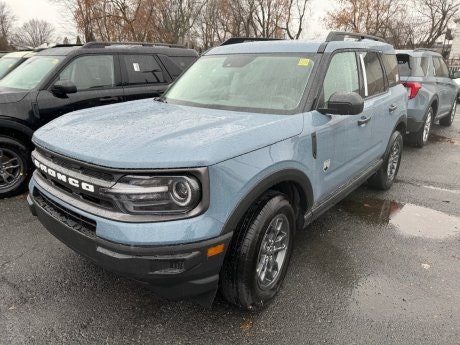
<point>64,178</point>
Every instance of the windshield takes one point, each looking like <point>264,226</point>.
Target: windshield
<point>31,72</point>
<point>245,82</point>
<point>6,63</point>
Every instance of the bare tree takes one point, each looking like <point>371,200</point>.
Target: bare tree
<point>34,33</point>
<point>392,20</point>
<point>7,20</point>
<point>296,8</point>
<point>435,16</point>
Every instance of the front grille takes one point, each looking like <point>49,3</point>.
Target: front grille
<point>71,219</point>
<point>75,166</point>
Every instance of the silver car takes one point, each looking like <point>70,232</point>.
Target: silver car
<point>431,92</point>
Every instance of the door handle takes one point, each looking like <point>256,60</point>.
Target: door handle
<point>392,108</point>
<point>363,120</point>
<point>108,99</point>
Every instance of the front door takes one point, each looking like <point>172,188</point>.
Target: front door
<point>98,83</point>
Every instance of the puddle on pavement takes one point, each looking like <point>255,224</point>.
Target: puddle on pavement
<point>409,219</point>
<point>441,139</point>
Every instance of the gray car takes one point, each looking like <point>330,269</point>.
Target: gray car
<point>431,92</point>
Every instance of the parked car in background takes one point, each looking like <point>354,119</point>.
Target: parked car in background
<point>456,79</point>
<point>431,92</point>
<point>210,182</point>
<point>12,60</point>
<point>59,80</point>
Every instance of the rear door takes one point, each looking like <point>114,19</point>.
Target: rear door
<point>97,79</point>
<point>446,86</point>
<point>143,76</point>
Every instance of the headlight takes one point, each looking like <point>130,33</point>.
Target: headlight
<point>156,195</point>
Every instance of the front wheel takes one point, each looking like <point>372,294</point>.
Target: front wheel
<point>447,120</point>
<point>258,258</point>
<point>383,179</point>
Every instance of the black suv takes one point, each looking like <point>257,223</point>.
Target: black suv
<point>68,78</point>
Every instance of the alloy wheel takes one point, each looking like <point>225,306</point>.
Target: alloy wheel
<point>427,126</point>
<point>11,168</point>
<point>393,160</point>
<point>273,252</point>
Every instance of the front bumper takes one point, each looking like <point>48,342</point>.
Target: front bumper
<point>173,271</point>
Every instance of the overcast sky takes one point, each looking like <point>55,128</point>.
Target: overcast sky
<point>56,14</point>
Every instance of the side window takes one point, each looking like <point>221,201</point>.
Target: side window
<point>391,67</point>
<point>341,76</point>
<point>374,78</point>
<point>90,72</point>
<point>143,69</point>
<point>440,67</point>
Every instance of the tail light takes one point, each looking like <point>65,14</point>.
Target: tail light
<point>412,89</point>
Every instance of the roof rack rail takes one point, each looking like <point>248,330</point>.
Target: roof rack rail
<point>425,50</point>
<point>235,40</point>
<point>341,35</point>
<point>65,45</point>
<point>143,44</point>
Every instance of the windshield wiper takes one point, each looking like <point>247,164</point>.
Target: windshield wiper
<point>160,99</point>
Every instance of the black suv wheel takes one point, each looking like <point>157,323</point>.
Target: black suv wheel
<point>14,167</point>
<point>258,258</point>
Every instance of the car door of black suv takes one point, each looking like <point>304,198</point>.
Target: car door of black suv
<point>97,80</point>
<point>143,76</point>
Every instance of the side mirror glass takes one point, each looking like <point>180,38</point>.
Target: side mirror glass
<point>344,103</point>
<point>63,87</point>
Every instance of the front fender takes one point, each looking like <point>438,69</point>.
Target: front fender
<point>239,182</point>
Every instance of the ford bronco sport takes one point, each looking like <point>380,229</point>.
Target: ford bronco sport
<point>432,94</point>
<point>67,78</point>
<point>207,186</point>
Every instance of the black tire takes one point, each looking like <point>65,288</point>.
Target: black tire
<point>382,179</point>
<point>419,139</point>
<point>15,164</point>
<point>241,283</point>
<point>447,120</point>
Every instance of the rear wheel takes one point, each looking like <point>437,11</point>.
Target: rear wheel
<point>385,176</point>
<point>447,120</point>
<point>14,167</point>
<point>420,138</point>
<point>257,261</point>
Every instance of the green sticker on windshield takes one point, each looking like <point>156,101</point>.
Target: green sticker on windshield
<point>55,61</point>
<point>303,62</point>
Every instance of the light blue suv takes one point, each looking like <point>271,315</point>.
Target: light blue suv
<point>431,92</point>
<point>207,186</point>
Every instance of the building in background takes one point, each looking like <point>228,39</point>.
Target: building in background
<point>454,56</point>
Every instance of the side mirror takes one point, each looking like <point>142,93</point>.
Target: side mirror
<point>63,87</point>
<point>344,103</point>
<point>456,75</point>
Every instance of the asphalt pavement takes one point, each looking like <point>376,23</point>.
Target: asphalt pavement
<point>379,268</point>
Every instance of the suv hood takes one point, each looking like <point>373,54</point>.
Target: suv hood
<point>148,134</point>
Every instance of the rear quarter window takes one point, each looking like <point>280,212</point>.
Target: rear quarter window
<point>390,64</point>
<point>183,61</point>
